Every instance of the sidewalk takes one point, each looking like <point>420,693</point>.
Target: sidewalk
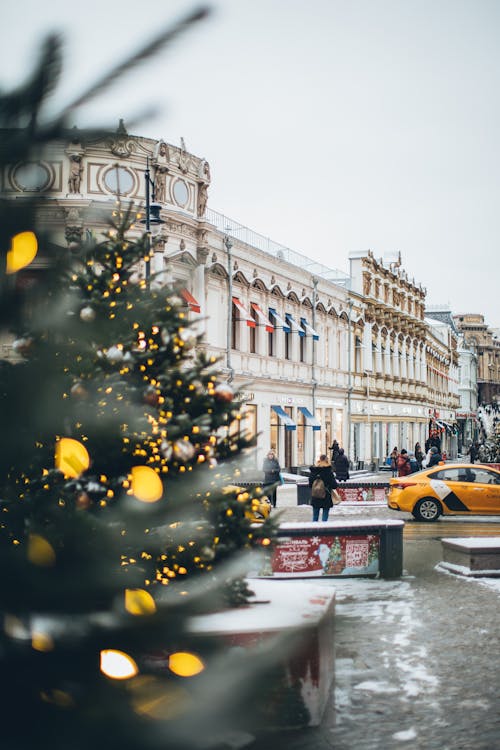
<point>416,658</point>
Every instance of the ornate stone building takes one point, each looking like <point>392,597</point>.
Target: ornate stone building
<point>486,346</point>
<point>313,353</point>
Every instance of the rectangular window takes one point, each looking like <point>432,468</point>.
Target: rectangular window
<point>270,344</point>
<point>302,348</point>
<point>253,332</point>
<point>288,342</point>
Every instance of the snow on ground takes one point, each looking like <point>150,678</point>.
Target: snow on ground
<point>464,573</point>
<point>392,666</point>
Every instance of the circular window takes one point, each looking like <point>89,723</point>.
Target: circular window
<point>119,181</point>
<point>32,176</point>
<point>181,193</point>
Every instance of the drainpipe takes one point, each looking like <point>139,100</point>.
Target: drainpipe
<point>349,380</point>
<point>314,382</point>
<point>229,244</point>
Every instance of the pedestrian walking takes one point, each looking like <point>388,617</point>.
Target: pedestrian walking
<point>272,474</point>
<point>473,452</point>
<point>341,465</point>
<point>394,457</point>
<point>335,448</point>
<point>419,455</point>
<point>322,483</point>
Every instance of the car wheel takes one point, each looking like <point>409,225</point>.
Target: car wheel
<point>427,509</point>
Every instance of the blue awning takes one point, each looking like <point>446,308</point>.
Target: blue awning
<point>309,329</point>
<point>294,325</point>
<point>284,417</point>
<point>280,323</point>
<point>310,418</point>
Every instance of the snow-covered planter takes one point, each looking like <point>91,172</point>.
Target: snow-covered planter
<point>472,556</point>
<point>296,621</point>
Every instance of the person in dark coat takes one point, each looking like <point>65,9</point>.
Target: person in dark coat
<point>335,447</point>
<point>419,455</point>
<point>272,474</point>
<point>322,470</point>
<point>473,452</point>
<point>435,457</point>
<point>341,464</point>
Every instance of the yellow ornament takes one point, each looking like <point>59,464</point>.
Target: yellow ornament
<point>184,664</point>
<point>23,249</point>
<point>71,457</point>
<point>146,484</point>
<point>139,602</point>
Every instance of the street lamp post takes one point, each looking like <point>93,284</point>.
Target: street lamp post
<point>153,221</point>
<point>228,243</point>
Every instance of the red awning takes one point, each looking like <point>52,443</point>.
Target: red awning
<point>264,320</point>
<point>188,298</point>
<point>244,315</point>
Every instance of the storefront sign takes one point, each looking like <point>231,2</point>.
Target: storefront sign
<point>326,555</point>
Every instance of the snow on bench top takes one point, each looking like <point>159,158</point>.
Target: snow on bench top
<point>474,542</point>
<point>325,526</point>
<point>280,605</point>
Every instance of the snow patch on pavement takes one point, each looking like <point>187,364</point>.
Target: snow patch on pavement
<point>405,735</point>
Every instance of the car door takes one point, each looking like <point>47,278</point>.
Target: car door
<point>455,488</point>
<point>487,484</point>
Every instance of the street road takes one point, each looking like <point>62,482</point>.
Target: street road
<point>451,527</point>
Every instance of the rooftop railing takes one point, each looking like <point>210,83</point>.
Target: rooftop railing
<point>280,252</point>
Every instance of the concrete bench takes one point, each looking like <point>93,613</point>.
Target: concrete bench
<point>337,548</point>
<point>285,611</point>
<point>472,556</point>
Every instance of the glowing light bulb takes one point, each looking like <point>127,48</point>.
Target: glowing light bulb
<point>24,247</point>
<point>118,665</point>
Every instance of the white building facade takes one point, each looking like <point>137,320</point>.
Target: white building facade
<point>313,354</point>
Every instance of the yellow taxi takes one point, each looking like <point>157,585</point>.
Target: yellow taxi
<point>447,489</point>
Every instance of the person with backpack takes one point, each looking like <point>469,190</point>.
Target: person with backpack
<point>322,482</point>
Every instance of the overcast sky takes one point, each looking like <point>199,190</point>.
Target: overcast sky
<point>330,126</point>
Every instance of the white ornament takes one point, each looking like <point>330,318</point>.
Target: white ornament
<point>114,354</point>
<point>166,450</point>
<point>87,314</point>
<point>184,450</point>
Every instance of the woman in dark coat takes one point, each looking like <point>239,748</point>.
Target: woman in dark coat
<point>322,470</point>
<point>271,469</point>
<point>341,466</point>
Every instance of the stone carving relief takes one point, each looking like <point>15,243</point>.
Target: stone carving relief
<point>73,230</point>
<point>202,199</point>
<point>183,158</point>
<point>160,169</point>
<point>367,284</point>
<point>121,145</point>
<point>204,171</point>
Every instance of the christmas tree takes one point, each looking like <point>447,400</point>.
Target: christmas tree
<point>122,516</point>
